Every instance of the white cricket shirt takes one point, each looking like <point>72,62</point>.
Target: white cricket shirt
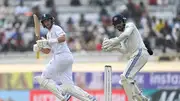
<point>131,39</point>
<point>56,48</point>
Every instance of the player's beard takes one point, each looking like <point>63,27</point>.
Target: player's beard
<point>49,26</point>
<point>120,27</point>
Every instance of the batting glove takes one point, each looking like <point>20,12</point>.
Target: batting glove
<point>36,48</point>
<point>42,43</point>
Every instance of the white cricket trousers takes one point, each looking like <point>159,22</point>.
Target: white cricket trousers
<point>136,62</point>
<point>59,69</point>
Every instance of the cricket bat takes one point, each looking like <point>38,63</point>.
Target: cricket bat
<point>37,31</point>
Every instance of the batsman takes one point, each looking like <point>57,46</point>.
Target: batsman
<point>129,42</point>
<point>57,76</point>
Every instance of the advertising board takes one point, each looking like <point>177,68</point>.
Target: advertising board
<point>43,95</point>
<point>146,80</point>
<point>15,95</point>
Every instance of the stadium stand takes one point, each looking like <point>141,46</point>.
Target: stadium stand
<point>86,24</point>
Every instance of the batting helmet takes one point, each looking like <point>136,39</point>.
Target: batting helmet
<point>47,17</point>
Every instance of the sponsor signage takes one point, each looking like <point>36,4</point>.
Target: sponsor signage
<point>43,95</point>
<point>14,95</point>
<point>146,80</point>
<point>166,95</point>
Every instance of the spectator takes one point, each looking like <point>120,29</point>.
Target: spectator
<point>82,34</point>
<point>50,3</point>
<point>87,35</point>
<point>82,21</point>
<point>108,2</point>
<point>174,28</point>
<point>75,3</point>
<point>160,25</point>
<point>137,16</point>
<point>70,25</point>
<point>167,37</point>
<point>7,33</point>
<point>35,10</point>
<point>98,37</point>
<point>153,23</point>
<point>96,2</point>
<point>178,11</point>
<point>142,8</point>
<point>21,9</point>
<point>131,9</point>
<point>103,12</point>
<point>109,31</point>
<point>178,40</point>
<point>144,25</point>
<point>17,21</point>
<point>152,2</point>
<point>3,44</point>
<point>6,11</point>
<point>17,41</point>
<point>54,13</point>
<point>88,39</point>
<point>124,11</point>
<point>162,2</point>
<point>71,44</point>
<point>152,34</point>
<point>74,44</point>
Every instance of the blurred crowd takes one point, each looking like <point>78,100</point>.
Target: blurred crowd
<point>17,32</point>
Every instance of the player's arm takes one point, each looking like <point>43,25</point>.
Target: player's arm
<point>61,36</point>
<point>45,50</point>
<point>109,44</point>
<point>124,35</point>
<point>127,32</point>
<point>120,48</point>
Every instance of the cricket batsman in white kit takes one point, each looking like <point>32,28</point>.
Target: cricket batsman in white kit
<point>129,42</point>
<point>57,76</point>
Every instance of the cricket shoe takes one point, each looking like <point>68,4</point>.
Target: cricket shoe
<point>93,98</point>
<point>67,97</point>
<point>140,97</point>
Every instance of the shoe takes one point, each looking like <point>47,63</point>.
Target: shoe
<point>67,97</point>
<point>140,97</point>
<point>93,98</point>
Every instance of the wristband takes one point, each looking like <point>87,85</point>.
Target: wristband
<point>53,41</point>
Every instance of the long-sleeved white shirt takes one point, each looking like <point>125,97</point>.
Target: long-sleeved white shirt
<point>54,33</point>
<point>130,39</point>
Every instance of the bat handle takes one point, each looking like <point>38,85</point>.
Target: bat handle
<point>37,55</point>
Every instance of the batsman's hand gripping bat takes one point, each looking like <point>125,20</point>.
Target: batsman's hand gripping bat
<point>37,31</point>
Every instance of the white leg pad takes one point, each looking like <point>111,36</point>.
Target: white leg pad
<point>132,90</point>
<point>77,92</point>
<point>67,97</point>
<point>51,86</point>
<point>127,87</point>
<point>137,93</point>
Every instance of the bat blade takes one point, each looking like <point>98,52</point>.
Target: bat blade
<point>37,31</point>
<point>36,26</point>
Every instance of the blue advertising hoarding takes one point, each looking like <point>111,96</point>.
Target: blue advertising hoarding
<point>19,95</point>
<point>146,80</point>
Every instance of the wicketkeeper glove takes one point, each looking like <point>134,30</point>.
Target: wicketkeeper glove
<point>108,44</point>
